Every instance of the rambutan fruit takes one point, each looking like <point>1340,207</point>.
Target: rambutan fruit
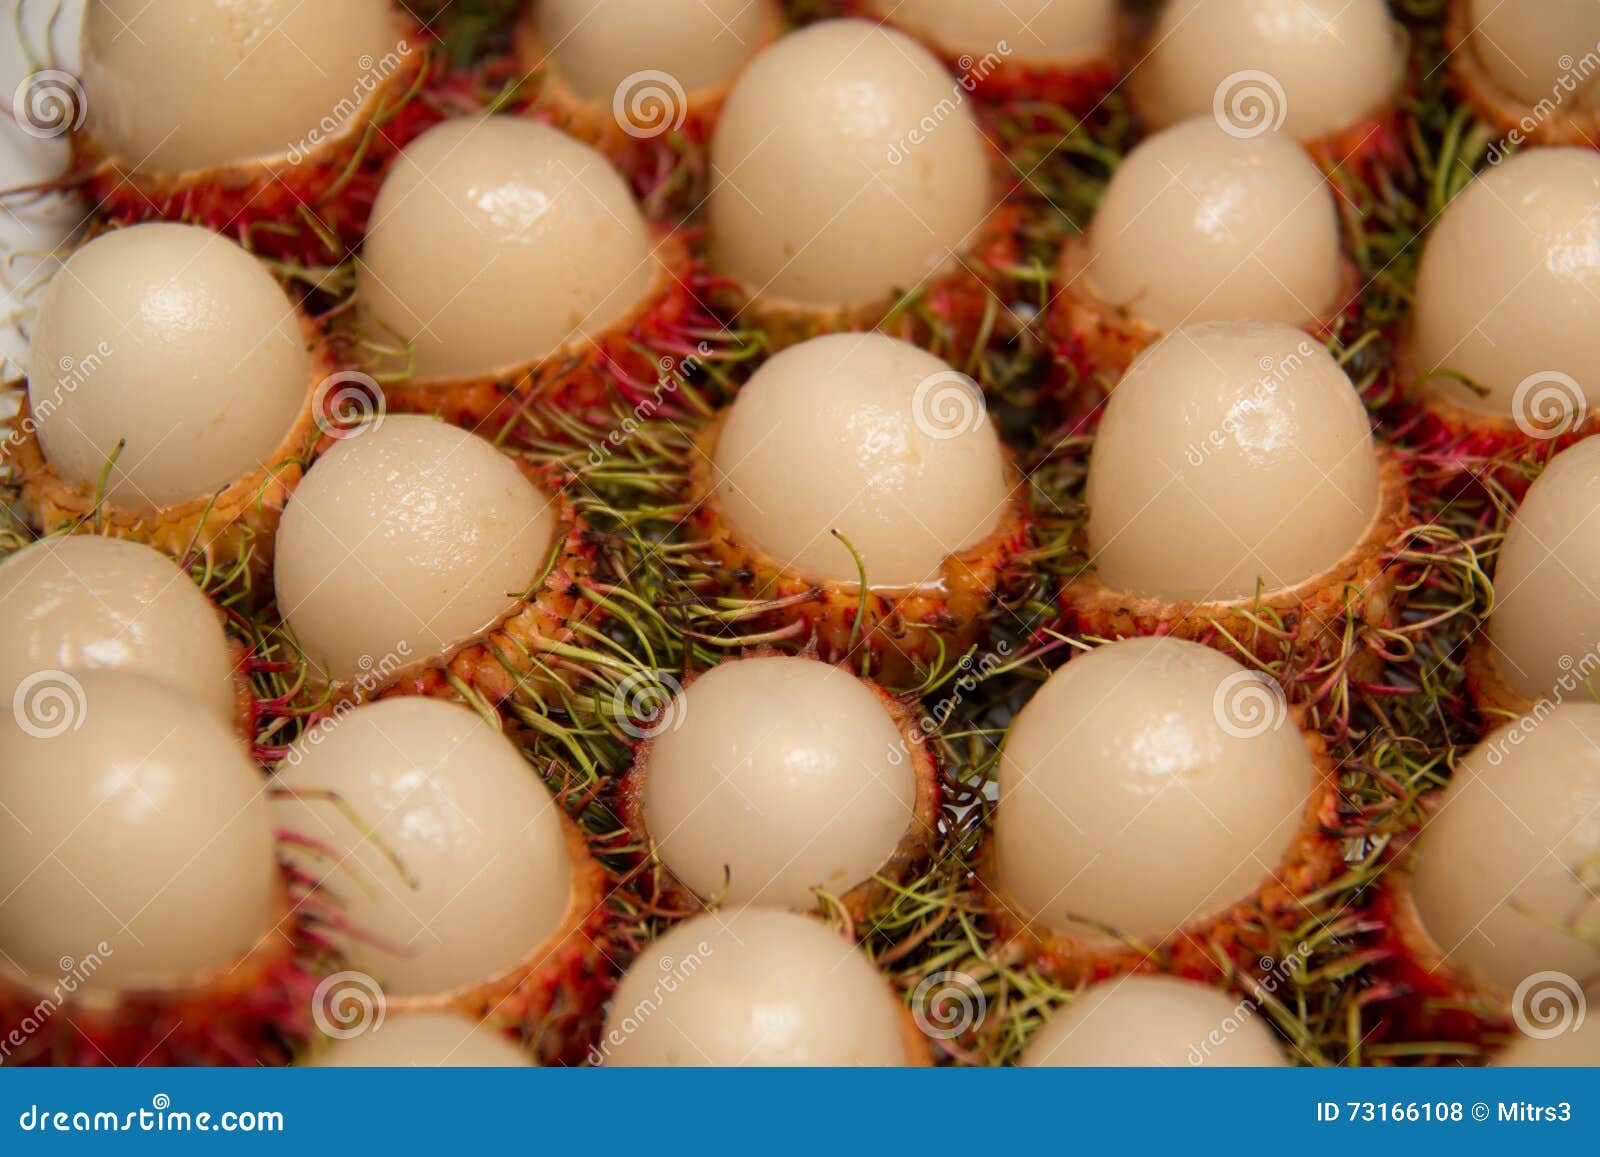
<point>1154,1021</point>
<point>429,1040</point>
<point>173,397</point>
<point>1327,73</point>
<point>416,558</point>
<point>645,85</point>
<point>176,127</point>
<point>826,214</point>
<point>1542,638</point>
<point>1523,69</point>
<point>888,527</point>
<point>1061,52</point>
<point>144,918</point>
<point>552,291</point>
<point>1499,361</point>
<point>1498,891</point>
<point>91,603</point>
<point>1237,498</point>
<point>714,796</point>
<point>432,859</point>
<point>755,987</point>
<point>1159,807</point>
<point>1196,225</point>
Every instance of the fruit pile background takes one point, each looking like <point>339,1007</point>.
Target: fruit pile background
<point>1336,987</point>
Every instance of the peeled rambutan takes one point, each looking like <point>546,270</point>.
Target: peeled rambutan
<point>756,987</point>
<point>858,486</point>
<point>1499,358</point>
<point>1200,225</point>
<point>1237,497</point>
<point>713,795</point>
<point>85,602</point>
<point>433,861</point>
<point>1496,895</point>
<point>427,1040</point>
<point>644,85</point>
<point>1153,1021</point>
<point>1061,52</point>
<point>825,217</point>
<point>553,292</point>
<point>1521,68</point>
<point>175,127</point>
<point>1542,639</point>
<point>415,558</point>
<point>173,399</point>
<point>1159,806</point>
<point>144,918</point>
<point>1326,72</point>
